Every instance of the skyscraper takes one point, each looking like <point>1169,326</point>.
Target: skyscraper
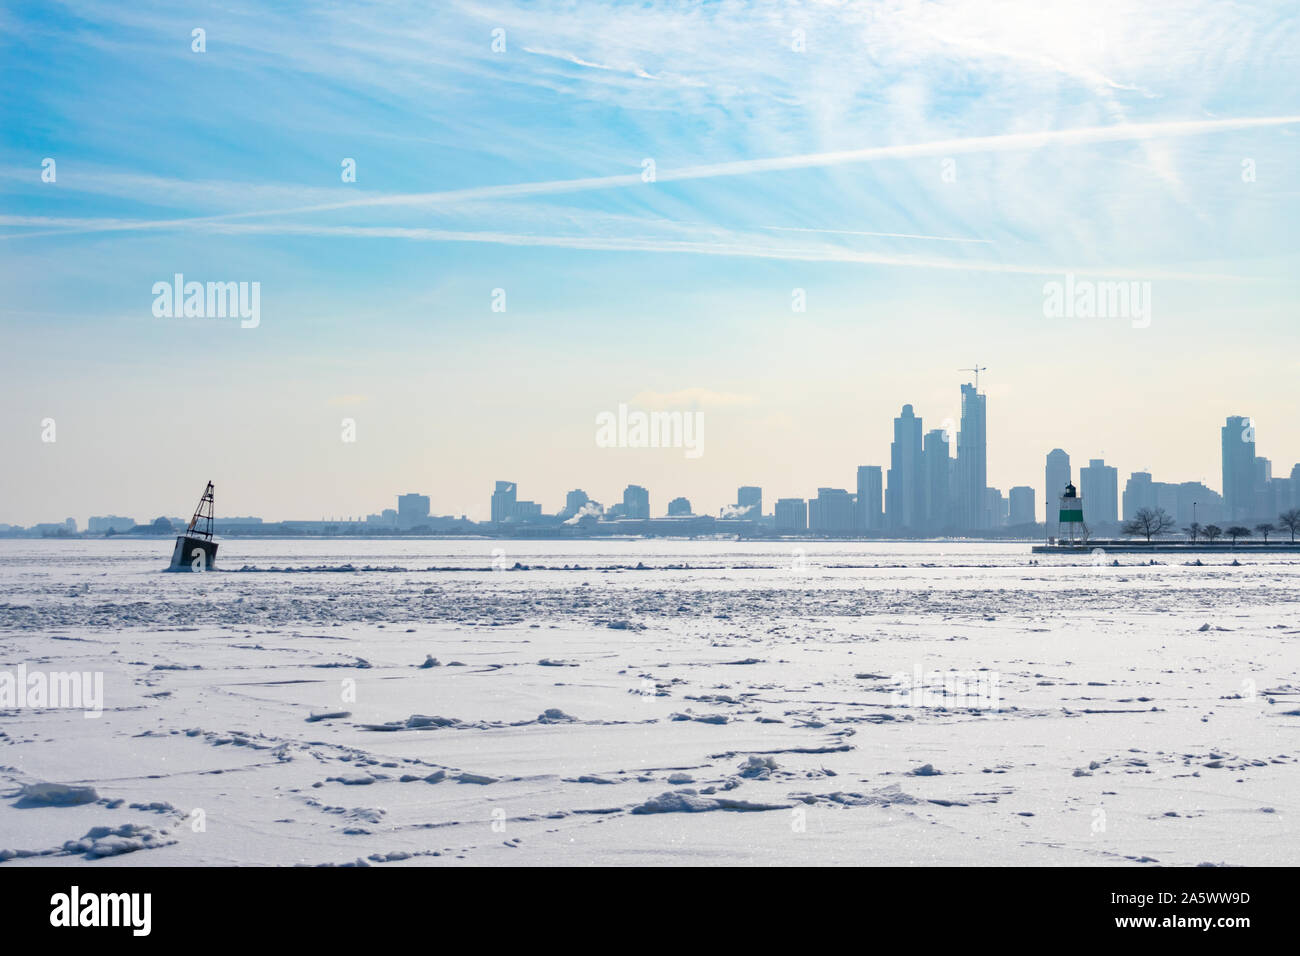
<point>831,512</point>
<point>1139,493</point>
<point>749,501</point>
<point>1193,501</point>
<point>1169,498</point>
<point>1099,486</point>
<point>574,502</point>
<point>870,492</point>
<point>904,500</point>
<point>791,514</point>
<point>526,511</point>
<point>412,510</point>
<point>503,501</point>
<point>679,507</point>
<point>1057,476</point>
<point>1284,490</point>
<point>936,464</point>
<point>972,459</point>
<point>1021,504</point>
<point>995,508</point>
<point>636,502</point>
<point>1237,438</point>
<point>1263,504</point>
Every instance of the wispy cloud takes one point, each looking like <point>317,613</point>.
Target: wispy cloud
<point>694,397</point>
<point>879,235</point>
<point>947,147</point>
<point>715,243</point>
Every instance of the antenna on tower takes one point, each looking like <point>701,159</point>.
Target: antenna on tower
<point>977,369</point>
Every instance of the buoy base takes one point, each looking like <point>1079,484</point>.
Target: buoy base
<point>193,554</point>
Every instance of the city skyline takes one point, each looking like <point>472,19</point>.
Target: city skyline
<point>929,485</point>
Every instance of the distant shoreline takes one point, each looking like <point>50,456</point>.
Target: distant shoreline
<point>623,536</point>
<point>1109,545</point>
<point>1170,547</point>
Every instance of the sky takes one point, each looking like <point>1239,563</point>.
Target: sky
<point>562,207</point>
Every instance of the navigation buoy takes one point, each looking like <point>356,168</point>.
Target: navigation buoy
<point>195,550</point>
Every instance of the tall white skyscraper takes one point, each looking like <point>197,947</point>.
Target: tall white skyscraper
<point>870,496</point>
<point>1099,486</point>
<point>904,501</point>
<point>936,465</point>
<point>972,459</point>
<point>1237,439</point>
<point>1057,476</point>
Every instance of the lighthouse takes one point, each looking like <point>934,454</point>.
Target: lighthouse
<point>1071,517</point>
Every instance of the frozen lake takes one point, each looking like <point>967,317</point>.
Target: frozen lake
<point>426,701</point>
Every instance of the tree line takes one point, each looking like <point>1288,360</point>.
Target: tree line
<point>1153,522</point>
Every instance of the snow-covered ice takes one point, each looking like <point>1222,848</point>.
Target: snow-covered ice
<point>650,702</point>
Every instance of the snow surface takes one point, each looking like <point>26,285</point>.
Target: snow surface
<point>331,702</point>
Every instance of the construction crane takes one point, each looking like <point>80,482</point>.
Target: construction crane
<point>977,369</point>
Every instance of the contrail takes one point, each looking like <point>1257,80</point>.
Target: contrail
<point>946,147</point>
<point>738,246</point>
<point>884,235</point>
<point>745,167</point>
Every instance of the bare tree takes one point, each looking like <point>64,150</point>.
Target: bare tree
<point>1150,522</point>
<point>1193,531</point>
<point>1291,521</point>
<point>1237,531</point>
<point>1212,531</point>
<point>1265,528</point>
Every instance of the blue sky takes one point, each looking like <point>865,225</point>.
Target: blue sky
<point>919,169</point>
